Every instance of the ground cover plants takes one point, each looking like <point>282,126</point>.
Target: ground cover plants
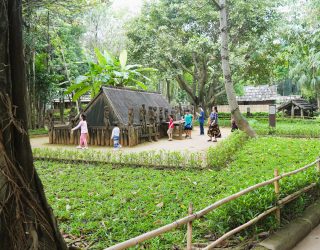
<point>107,205</point>
<point>158,159</point>
<point>285,127</point>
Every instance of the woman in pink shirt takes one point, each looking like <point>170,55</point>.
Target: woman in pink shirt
<point>84,132</point>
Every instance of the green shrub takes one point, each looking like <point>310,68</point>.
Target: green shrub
<point>219,156</point>
<point>160,159</point>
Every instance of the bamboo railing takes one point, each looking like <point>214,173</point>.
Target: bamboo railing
<point>193,216</point>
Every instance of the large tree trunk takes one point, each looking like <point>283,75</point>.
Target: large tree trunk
<point>26,220</point>
<point>231,95</point>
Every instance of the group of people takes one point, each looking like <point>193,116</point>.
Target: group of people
<point>83,144</point>
<point>213,126</point>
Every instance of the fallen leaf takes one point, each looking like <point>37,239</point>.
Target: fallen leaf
<point>160,204</point>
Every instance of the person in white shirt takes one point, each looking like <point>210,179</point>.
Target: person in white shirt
<point>84,132</point>
<point>115,136</point>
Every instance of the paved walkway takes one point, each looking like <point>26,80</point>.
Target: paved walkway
<point>311,242</point>
<point>196,144</point>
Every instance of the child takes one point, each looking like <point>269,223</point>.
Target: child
<point>116,136</point>
<point>84,132</point>
<point>171,127</point>
<point>233,124</point>
<point>188,123</point>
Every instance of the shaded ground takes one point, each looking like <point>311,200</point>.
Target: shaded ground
<point>197,143</point>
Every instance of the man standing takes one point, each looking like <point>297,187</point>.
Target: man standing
<point>201,120</point>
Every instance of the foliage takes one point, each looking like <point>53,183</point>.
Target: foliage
<point>107,205</point>
<point>220,156</point>
<point>181,39</point>
<point>108,70</point>
<point>157,159</point>
<point>297,129</point>
<point>52,51</point>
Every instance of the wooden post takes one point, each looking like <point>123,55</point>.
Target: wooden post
<point>318,165</point>
<point>277,191</point>
<point>292,111</point>
<point>189,229</point>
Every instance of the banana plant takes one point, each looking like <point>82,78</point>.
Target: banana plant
<point>108,70</point>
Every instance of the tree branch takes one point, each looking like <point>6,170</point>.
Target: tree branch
<point>185,68</point>
<point>216,4</point>
<point>182,83</point>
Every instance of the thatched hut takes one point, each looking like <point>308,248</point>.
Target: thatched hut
<point>297,108</point>
<point>140,115</point>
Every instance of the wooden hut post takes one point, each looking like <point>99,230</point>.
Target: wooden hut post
<point>130,129</point>
<point>292,110</point>
<point>301,112</point>
<point>103,137</point>
<point>50,126</point>
<point>189,229</point>
<point>106,120</point>
<point>155,123</point>
<point>277,192</point>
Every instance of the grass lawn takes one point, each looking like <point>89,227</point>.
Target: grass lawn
<point>109,205</point>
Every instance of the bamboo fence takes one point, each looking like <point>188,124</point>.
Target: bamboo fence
<point>194,216</point>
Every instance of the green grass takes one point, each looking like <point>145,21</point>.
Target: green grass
<point>305,129</point>
<point>110,205</point>
<point>40,131</point>
<point>296,128</point>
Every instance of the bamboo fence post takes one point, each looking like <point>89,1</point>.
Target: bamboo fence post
<point>189,229</point>
<point>277,191</point>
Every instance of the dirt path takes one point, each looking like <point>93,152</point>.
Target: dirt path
<point>197,143</point>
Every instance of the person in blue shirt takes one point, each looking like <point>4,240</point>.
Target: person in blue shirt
<point>188,124</point>
<point>201,120</point>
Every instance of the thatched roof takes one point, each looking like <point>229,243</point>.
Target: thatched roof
<point>301,103</point>
<point>259,93</point>
<point>122,99</point>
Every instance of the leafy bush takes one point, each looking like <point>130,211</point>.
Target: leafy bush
<point>158,159</point>
<point>219,156</point>
<point>107,205</point>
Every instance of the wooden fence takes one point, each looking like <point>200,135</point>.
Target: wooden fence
<point>100,136</point>
<point>194,216</point>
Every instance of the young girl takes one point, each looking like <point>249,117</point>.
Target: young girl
<point>84,132</point>
<point>171,127</point>
<point>233,124</point>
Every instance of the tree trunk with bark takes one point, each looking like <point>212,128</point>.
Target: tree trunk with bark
<point>231,95</point>
<point>26,219</point>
